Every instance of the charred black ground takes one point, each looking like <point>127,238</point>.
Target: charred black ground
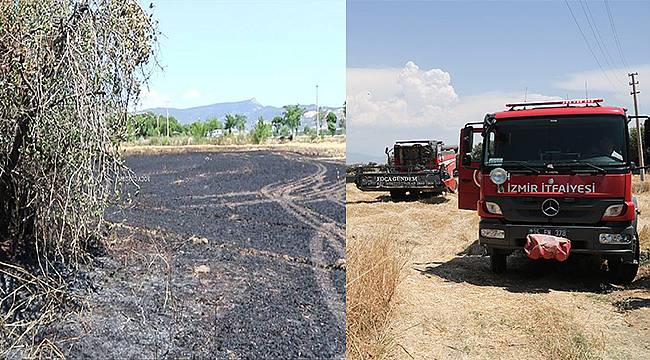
<point>220,255</point>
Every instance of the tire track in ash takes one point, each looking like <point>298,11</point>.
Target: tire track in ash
<point>290,196</point>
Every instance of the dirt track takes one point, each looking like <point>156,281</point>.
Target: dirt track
<point>450,306</point>
<point>221,255</point>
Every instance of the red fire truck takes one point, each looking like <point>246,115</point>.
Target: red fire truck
<point>561,168</point>
<point>414,167</point>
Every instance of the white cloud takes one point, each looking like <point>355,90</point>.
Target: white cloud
<point>415,98</point>
<point>389,104</point>
<point>408,96</point>
<point>191,94</point>
<point>385,105</point>
<point>599,86</point>
<point>152,99</point>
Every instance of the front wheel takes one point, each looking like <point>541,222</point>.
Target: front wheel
<point>397,195</point>
<point>623,273</point>
<point>498,262</point>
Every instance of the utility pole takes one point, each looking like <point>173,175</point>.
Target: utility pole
<point>317,113</point>
<point>167,119</point>
<point>639,141</point>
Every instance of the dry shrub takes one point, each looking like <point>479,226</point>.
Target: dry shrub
<point>69,71</point>
<point>374,268</point>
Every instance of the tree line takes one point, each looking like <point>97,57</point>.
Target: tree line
<point>144,125</point>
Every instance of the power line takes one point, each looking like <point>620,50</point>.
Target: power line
<point>588,44</point>
<point>598,38</point>
<point>616,38</point>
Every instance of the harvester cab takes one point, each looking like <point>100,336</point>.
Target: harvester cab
<point>562,169</point>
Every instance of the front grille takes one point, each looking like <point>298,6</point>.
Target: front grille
<point>572,210</point>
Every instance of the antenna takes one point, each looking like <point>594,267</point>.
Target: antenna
<point>526,94</point>
<point>586,91</point>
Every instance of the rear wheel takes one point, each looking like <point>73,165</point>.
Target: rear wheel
<point>622,273</point>
<point>397,195</point>
<point>498,262</point>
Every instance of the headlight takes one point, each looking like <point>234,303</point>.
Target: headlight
<point>614,238</point>
<point>614,210</point>
<point>493,208</point>
<point>493,233</point>
<point>498,176</point>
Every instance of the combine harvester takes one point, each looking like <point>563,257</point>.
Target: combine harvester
<point>414,167</point>
<point>553,179</point>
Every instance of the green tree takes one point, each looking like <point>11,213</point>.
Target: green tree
<point>240,122</point>
<point>345,114</point>
<point>175,128</point>
<point>331,123</point>
<point>261,131</point>
<point>477,152</point>
<point>142,125</point>
<point>231,122</point>
<point>237,121</point>
<point>196,129</point>
<point>634,140</point>
<point>277,122</point>
<point>213,124</point>
<point>291,116</point>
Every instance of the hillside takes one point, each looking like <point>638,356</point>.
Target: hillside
<point>251,108</point>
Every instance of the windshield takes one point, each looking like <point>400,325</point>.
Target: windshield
<point>595,139</point>
<point>415,154</point>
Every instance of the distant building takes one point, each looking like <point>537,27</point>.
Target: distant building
<point>215,133</point>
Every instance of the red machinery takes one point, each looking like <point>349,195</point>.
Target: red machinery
<point>560,168</point>
<point>416,166</point>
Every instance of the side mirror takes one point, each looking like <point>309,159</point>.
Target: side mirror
<point>386,150</point>
<point>467,145</point>
<point>467,160</point>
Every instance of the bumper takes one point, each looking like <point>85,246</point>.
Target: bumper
<point>584,239</point>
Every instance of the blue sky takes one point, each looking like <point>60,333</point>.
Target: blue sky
<point>486,52</point>
<point>275,50</point>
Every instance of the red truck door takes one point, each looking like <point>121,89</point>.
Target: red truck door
<point>469,176</point>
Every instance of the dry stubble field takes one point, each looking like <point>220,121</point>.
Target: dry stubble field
<point>447,305</point>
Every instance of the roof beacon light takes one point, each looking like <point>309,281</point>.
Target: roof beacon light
<point>582,101</point>
<point>557,102</point>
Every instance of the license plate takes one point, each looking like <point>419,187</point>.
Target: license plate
<point>546,231</point>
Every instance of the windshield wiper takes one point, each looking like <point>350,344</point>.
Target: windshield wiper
<point>522,164</point>
<point>576,162</point>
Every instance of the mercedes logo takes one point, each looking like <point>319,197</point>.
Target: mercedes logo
<point>551,181</point>
<point>550,207</point>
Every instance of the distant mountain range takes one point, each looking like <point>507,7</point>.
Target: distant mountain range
<point>251,108</point>
<point>361,158</point>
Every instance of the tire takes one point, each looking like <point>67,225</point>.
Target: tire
<point>397,195</point>
<point>622,273</point>
<point>498,262</point>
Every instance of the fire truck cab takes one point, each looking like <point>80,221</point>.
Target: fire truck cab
<point>560,168</point>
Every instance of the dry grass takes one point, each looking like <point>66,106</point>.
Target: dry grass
<point>449,305</point>
<point>374,267</point>
<point>639,187</point>
<point>334,148</point>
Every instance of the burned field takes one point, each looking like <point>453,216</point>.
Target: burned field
<point>220,254</point>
